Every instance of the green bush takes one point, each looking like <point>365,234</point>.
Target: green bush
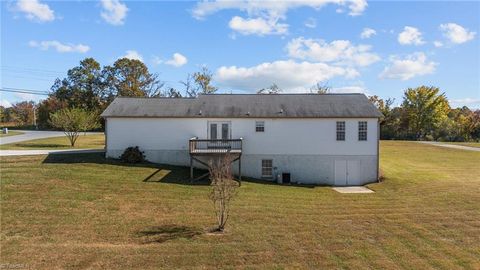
<point>133,155</point>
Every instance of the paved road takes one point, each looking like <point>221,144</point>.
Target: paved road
<point>34,134</point>
<point>4,153</point>
<point>454,146</point>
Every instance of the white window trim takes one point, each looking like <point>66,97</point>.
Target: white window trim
<point>262,167</point>
<point>366,131</point>
<point>344,131</point>
<point>262,125</point>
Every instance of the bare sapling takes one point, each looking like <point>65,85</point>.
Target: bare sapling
<point>224,189</point>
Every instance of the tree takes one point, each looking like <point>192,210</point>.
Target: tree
<point>319,88</point>
<point>389,121</point>
<point>424,109</point>
<point>203,80</point>
<point>73,121</point>
<point>272,89</point>
<point>172,93</point>
<point>191,89</point>
<point>130,78</point>
<point>224,189</point>
<point>83,87</point>
<point>46,107</point>
<point>24,112</point>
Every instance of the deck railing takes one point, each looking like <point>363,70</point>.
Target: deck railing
<point>219,146</point>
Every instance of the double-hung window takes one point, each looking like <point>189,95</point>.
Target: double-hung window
<point>259,126</point>
<point>362,130</point>
<point>267,168</point>
<point>340,130</point>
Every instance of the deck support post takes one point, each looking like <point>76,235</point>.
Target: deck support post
<point>240,169</point>
<point>191,168</point>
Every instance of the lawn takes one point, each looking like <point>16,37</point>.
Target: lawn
<point>80,211</point>
<point>10,133</point>
<point>83,141</point>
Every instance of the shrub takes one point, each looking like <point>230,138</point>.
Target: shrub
<point>132,155</point>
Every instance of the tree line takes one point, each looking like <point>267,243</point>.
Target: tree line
<point>423,114</point>
<point>91,88</point>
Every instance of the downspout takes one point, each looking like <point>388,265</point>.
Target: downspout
<point>378,150</point>
<point>106,137</point>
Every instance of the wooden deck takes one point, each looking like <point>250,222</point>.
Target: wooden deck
<point>212,148</point>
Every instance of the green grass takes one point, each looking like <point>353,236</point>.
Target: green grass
<point>80,211</point>
<point>10,133</point>
<point>88,141</point>
<point>471,144</point>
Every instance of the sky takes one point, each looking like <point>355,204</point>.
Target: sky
<point>375,47</point>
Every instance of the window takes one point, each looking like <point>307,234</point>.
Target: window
<point>267,170</point>
<point>362,130</point>
<point>259,126</point>
<point>340,130</point>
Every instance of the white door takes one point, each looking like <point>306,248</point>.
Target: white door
<point>218,130</point>
<point>353,172</point>
<point>347,172</point>
<point>340,172</point>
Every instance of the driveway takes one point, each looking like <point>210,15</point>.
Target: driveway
<point>34,134</point>
<point>4,153</point>
<point>454,146</point>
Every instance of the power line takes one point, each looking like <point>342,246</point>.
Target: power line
<point>23,92</point>
<point>24,89</point>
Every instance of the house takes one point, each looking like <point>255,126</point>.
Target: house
<point>329,139</point>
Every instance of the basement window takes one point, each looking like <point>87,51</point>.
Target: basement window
<point>340,130</point>
<point>267,168</point>
<point>362,130</point>
<point>259,126</point>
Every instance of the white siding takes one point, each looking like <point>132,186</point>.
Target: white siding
<point>281,136</point>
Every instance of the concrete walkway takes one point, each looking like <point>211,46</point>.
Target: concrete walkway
<point>454,146</point>
<point>353,189</point>
<point>4,153</point>
<point>33,135</point>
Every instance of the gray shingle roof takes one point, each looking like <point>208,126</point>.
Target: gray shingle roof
<point>246,106</point>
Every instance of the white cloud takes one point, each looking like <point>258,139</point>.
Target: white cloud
<point>273,8</point>
<point>410,35</point>
<point>438,44</point>
<point>350,89</point>
<point>59,47</point>
<point>132,55</point>
<point>368,33</point>
<point>470,102</point>
<point>177,60</point>
<point>339,51</point>
<point>264,16</point>
<point>35,10</point>
<point>311,23</point>
<point>114,12</point>
<point>258,26</point>
<point>5,103</point>
<point>289,75</point>
<point>456,33</point>
<point>411,66</point>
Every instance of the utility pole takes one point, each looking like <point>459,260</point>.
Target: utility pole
<point>34,117</point>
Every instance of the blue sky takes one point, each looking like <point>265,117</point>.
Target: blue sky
<point>378,48</point>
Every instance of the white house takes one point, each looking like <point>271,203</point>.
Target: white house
<point>329,139</point>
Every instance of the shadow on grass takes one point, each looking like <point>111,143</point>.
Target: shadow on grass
<point>42,145</point>
<point>163,173</point>
<point>161,234</point>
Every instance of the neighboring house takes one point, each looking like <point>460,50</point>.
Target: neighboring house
<point>329,139</point>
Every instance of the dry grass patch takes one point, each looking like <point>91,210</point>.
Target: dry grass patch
<point>84,141</point>
<point>84,212</point>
